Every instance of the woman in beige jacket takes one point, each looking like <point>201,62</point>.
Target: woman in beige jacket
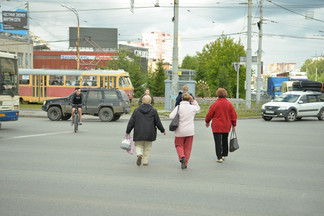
<point>188,108</point>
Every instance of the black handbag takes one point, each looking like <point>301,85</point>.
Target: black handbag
<point>233,141</point>
<point>175,122</point>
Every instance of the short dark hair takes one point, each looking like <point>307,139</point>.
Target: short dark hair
<point>77,88</point>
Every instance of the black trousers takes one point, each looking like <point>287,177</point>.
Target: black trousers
<point>221,144</point>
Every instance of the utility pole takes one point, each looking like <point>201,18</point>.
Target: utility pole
<point>29,41</point>
<point>248,57</point>
<point>175,60</point>
<point>258,86</point>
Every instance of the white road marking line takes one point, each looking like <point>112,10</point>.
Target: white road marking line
<point>37,135</point>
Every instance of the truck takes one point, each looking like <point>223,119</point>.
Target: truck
<point>274,85</point>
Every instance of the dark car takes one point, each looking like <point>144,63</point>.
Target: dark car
<point>108,104</point>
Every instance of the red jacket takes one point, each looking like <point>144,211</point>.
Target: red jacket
<point>223,115</point>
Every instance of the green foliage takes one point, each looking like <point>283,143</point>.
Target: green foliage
<point>190,62</point>
<point>156,81</point>
<point>133,67</point>
<point>215,65</point>
<point>310,67</point>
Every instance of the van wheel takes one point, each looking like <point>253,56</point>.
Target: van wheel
<point>66,117</point>
<point>321,115</point>
<point>54,113</point>
<point>106,114</point>
<point>291,116</point>
<point>116,117</point>
<point>266,118</point>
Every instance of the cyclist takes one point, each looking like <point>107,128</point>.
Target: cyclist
<point>77,101</point>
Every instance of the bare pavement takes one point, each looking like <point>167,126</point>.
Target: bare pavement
<point>46,169</point>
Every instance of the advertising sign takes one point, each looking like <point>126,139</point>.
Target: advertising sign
<point>13,20</point>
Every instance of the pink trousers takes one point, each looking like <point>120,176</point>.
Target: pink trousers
<point>183,146</point>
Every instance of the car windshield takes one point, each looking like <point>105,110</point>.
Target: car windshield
<point>290,98</point>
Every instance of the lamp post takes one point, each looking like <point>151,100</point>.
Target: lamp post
<point>78,40</point>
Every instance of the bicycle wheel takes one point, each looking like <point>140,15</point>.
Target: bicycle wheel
<point>76,122</point>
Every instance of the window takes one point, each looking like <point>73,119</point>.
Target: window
<point>304,99</point>
<point>94,95</point>
<point>20,59</point>
<point>312,98</point>
<point>122,82</point>
<point>24,79</point>
<point>72,81</point>
<point>56,80</point>
<point>89,80</point>
<point>321,98</point>
<point>110,95</point>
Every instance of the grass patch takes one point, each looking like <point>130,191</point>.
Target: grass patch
<point>31,106</point>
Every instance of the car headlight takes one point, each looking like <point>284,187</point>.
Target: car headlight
<point>44,103</point>
<point>283,108</point>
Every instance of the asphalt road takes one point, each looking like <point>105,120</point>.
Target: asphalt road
<point>46,169</point>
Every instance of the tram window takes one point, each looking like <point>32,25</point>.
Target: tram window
<point>72,80</point>
<point>89,80</point>
<point>122,82</point>
<point>24,79</point>
<point>55,80</point>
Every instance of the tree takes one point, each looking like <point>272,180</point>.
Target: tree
<point>189,62</point>
<point>215,65</point>
<point>133,67</point>
<point>310,67</point>
<point>156,81</point>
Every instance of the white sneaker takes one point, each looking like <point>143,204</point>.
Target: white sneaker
<point>220,161</point>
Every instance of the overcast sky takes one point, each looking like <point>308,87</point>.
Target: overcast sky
<point>288,35</point>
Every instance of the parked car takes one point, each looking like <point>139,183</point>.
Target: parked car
<point>108,104</point>
<point>295,105</point>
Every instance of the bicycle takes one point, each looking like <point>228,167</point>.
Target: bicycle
<point>76,119</point>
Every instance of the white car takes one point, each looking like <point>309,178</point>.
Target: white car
<point>295,105</point>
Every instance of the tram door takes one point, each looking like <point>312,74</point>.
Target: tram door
<point>39,88</point>
<point>108,82</point>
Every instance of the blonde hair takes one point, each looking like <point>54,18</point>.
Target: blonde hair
<point>186,96</point>
<point>146,99</point>
<point>185,88</point>
<point>221,93</point>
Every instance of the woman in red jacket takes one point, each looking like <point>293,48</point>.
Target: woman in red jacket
<point>223,116</point>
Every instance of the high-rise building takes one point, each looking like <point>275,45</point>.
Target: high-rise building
<point>160,46</point>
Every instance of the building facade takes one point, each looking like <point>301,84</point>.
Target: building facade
<point>20,46</point>
<point>160,46</point>
<point>68,59</point>
<point>278,68</point>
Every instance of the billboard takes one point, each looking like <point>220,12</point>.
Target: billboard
<point>96,38</point>
<point>14,20</point>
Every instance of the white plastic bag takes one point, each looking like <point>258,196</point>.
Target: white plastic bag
<point>126,143</point>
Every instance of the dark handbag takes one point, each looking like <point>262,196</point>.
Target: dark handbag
<point>233,141</point>
<point>175,122</point>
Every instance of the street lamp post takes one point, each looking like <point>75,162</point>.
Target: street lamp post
<point>78,40</point>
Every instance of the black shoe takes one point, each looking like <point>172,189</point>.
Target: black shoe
<point>183,163</point>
